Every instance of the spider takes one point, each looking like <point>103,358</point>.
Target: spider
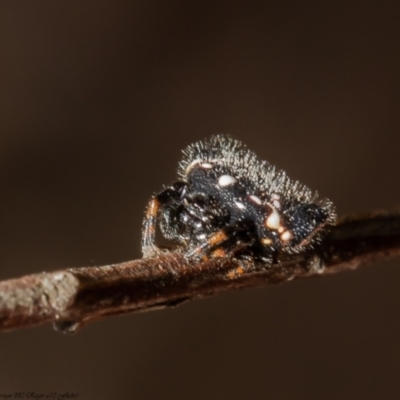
<point>226,202</point>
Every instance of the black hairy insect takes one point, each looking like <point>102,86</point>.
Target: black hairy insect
<point>226,202</point>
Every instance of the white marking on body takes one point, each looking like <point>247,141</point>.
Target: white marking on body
<point>206,165</point>
<point>287,235</point>
<point>266,241</point>
<point>281,229</point>
<point>240,205</point>
<point>274,220</point>
<point>192,164</point>
<point>200,162</point>
<point>226,180</point>
<point>275,196</point>
<point>255,199</point>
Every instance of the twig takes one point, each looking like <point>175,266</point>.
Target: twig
<point>73,297</point>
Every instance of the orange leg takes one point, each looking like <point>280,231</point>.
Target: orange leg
<point>149,229</point>
<point>214,240</point>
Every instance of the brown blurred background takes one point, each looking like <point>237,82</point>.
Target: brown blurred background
<point>97,100</point>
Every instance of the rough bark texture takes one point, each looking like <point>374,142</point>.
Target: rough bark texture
<point>73,297</point>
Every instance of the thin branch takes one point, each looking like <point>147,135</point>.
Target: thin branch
<point>73,297</point>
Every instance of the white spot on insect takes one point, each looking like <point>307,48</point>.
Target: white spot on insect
<point>200,162</point>
<point>281,229</point>
<point>206,165</point>
<point>240,205</point>
<point>266,241</point>
<point>226,180</point>
<point>274,220</point>
<point>275,196</point>
<point>192,165</point>
<point>255,199</point>
<point>286,236</point>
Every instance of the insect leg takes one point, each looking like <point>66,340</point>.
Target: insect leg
<point>150,219</point>
<point>149,228</point>
<point>212,241</point>
<point>224,243</point>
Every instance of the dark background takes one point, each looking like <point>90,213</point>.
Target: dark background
<point>97,98</point>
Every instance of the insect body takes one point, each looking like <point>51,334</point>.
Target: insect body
<point>227,202</point>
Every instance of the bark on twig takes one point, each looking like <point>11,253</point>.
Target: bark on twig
<point>73,297</point>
